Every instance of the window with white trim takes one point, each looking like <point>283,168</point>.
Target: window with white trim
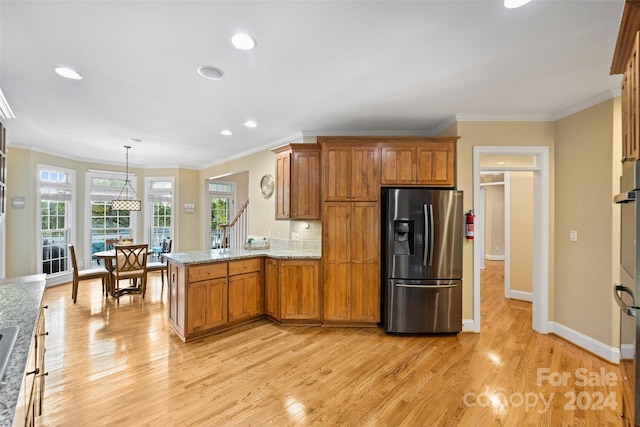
<point>56,193</point>
<point>106,223</point>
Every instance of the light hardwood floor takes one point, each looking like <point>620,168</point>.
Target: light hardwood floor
<point>120,365</point>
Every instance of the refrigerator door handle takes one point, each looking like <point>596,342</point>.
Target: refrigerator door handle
<point>426,286</point>
<point>428,240</point>
<point>629,310</point>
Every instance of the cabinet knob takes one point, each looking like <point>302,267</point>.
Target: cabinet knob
<point>623,159</point>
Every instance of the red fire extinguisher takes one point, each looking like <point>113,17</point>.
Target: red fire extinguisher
<point>469,216</point>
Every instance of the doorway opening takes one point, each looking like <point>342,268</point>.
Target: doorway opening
<point>515,161</point>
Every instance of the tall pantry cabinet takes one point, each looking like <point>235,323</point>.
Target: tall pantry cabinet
<point>351,230</point>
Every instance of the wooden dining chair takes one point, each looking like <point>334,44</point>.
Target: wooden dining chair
<point>89,274</point>
<point>108,245</point>
<point>162,264</point>
<point>130,264</point>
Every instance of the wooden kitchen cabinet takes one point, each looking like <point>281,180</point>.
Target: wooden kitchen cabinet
<point>297,181</point>
<point>350,169</point>
<point>419,161</point>
<point>206,305</point>
<point>271,289</point>
<point>292,290</point>
<point>630,113</point>
<point>246,298</point>
<point>351,259</point>
<point>29,405</point>
<point>204,298</point>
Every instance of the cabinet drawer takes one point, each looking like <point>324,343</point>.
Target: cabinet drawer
<point>245,266</point>
<point>207,271</point>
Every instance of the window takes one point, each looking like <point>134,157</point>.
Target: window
<point>221,195</point>
<point>56,188</point>
<point>159,209</point>
<point>107,223</point>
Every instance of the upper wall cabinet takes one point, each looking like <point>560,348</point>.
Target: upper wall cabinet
<point>351,169</point>
<point>625,62</point>
<point>419,161</point>
<point>298,181</point>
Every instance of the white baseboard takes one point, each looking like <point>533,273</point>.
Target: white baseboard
<point>521,295</point>
<point>596,347</point>
<point>627,351</point>
<point>54,280</point>
<point>494,257</point>
<point>468,325</point>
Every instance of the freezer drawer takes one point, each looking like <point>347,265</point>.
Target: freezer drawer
<point>413,306</point>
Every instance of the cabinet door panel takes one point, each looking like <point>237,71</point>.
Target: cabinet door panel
<point>335,229</point>
<point>299,290</point>
<point>365,292</point>
<point>435,164</point>
<point>337,291</point>
<point>206,305</point>
<point>336,173</point>
<point>365,172</point>
<point>365,269</point>
<point>305,184</point>
<point>283,178</point>
<point>398,165</point>
<point>365,232</point>
<point>271,285</point>
<point>245,296</point>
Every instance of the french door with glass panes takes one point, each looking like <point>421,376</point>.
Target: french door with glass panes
<point>221,197</point>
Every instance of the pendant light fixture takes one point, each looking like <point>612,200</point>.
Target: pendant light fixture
<point>126,201</point>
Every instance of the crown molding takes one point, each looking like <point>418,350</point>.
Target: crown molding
<point>274,144</point>
<point>329,132</point>
<point>605,96</point>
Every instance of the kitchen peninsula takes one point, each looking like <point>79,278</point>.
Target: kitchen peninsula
<point>218,289</point>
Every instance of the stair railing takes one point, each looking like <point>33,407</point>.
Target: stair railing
<point>234,234</point>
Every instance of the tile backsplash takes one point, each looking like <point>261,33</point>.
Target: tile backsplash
<point>302,235</point>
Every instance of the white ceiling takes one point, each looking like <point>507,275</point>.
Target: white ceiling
<point>328,67</point>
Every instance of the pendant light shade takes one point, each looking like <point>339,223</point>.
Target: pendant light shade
<point>127,201</point>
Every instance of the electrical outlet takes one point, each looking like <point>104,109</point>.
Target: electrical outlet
<point>295,236</point>
<point>573,236</point>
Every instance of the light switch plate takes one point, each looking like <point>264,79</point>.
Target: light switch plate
<point>295,236</point>
<point>573,235</point>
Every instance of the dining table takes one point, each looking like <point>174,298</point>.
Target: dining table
<point>109,257</point>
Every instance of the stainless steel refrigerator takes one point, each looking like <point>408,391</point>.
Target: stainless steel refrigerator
<point>422,238</point>
<point>627,293</point>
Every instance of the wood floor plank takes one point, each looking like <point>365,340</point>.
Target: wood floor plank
<point>115,364</point>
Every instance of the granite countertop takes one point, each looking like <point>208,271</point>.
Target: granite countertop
<point>20,301</point>
<point>213,255</point>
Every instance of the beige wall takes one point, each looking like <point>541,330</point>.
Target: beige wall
<point>494,221</point>
<point>584,175</point>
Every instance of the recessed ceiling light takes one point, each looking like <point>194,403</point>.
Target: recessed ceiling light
<point>243,41</point>
<point>512,4</point>
<point>210,72</point>
<point>226,132</point>
<point>68,73</point>
<point>135,140</point>
<point>250,124</point>
<point>500,163</point>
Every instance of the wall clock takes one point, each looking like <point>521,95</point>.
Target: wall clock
<point>266,186</point>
